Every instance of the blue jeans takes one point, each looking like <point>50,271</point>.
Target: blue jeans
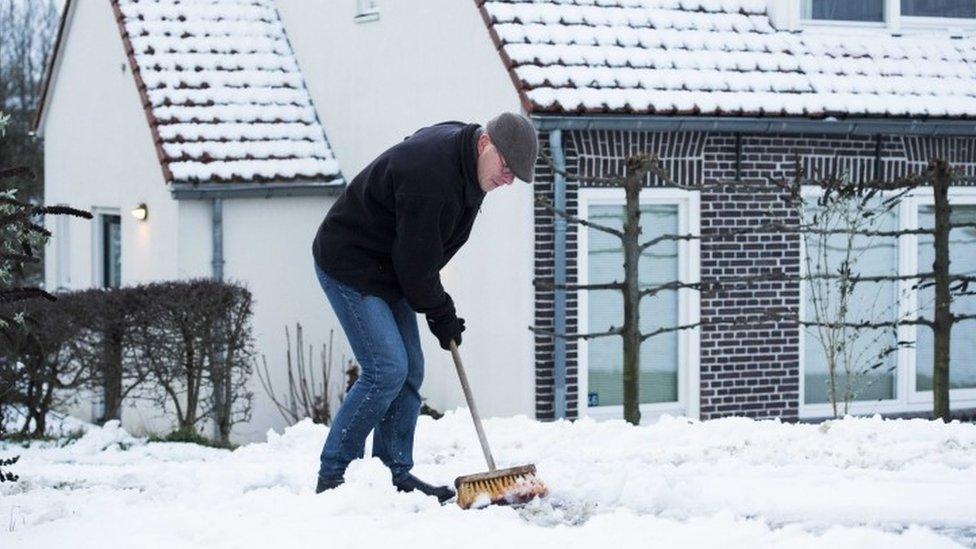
<point>386,397</point>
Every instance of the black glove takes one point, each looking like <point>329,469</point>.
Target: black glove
<point>446,328</point>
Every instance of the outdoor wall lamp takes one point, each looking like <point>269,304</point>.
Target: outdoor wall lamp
<point>140,212</point>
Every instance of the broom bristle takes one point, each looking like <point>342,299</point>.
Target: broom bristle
<point>502,490</point>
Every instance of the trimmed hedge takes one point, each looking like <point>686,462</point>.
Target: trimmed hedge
<point>186,346</point>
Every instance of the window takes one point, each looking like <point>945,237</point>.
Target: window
<point>659,264</point>
<point>111,251</point>
<point>863,370</point>
<point>665,360</point>
<point>844,10</point>
<point>902,382</point>
<point>962,260</point>
<point>889,15</point>
<point>939,8</point>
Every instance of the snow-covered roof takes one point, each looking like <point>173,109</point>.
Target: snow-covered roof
<point>720,57</point>
<point>223,92</point>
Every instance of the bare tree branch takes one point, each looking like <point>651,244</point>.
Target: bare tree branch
<point>542,201</point>
<point>611,332</point>
<point>574,287</point>
<point>782,228</point>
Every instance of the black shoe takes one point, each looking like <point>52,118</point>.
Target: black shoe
<point>327,484</point>
<point>409,483</point>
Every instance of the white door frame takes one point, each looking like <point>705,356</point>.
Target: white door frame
<point>97,259</point>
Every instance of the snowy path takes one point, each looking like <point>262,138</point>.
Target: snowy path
<point>731,482</point>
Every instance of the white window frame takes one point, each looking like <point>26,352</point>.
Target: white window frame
<point>689,269</point>
<point>907,398</point>
<point>97,259</point>
<point>367,11</point>
<point>893,21</point>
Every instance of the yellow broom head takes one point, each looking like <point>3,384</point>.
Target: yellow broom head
<point>499,487</point>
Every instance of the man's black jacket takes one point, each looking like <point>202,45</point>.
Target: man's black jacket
<point>403,218</point>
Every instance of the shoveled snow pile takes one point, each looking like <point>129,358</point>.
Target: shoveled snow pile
<point>856,482</point>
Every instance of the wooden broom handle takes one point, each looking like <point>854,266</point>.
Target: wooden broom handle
<point>471,406</point>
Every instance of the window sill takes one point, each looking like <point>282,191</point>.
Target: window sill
<point>367,17</point>
<point>883,407</point>
<point>954,27</point>
<point>650,413</point>
<point>826,23</point>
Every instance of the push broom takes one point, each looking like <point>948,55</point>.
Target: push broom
<point>497,486</point>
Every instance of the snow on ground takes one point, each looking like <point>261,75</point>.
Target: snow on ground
<point>856,482</point>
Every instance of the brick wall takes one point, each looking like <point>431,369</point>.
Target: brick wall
<point>750,370</point>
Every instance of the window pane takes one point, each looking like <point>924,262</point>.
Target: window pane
<point>865,368</point>
<point>658,380</point>
<point>962,260</point>
<point>111,251</point>
<point>939,8</point>
<point>844,10</point>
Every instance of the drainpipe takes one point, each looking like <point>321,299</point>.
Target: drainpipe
<point>878,176</point>
<point>217,263</point>
<point>559,275</point>
<point>217,230</point>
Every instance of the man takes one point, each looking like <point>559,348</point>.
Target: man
<point>378,255</point>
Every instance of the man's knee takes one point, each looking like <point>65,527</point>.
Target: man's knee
<point>388,374</point>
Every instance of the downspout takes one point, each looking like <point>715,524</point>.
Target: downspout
<point>217,234</point>
<point>559,275</point>
<point>217,265</point>
<point>878,176</point>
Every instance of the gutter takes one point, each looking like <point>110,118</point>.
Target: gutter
<point>848,126</point>
<point>197,191</point>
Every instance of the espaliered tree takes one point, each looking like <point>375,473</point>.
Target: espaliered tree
<point>638,167</point>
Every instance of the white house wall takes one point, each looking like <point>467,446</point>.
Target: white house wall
<point>195,239</point>
<point>267,247</point>
<point>375,83</point>
<point>99,154</point>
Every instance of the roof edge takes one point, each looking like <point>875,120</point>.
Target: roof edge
<point>847,126</point>
<point>141,87</point>
<point>52,60</point>
<point>204,191</point>
<point>506,60</point>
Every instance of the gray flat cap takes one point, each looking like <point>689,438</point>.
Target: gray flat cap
<point>515,138</point>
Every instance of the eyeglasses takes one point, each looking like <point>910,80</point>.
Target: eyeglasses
<point>505,169</point>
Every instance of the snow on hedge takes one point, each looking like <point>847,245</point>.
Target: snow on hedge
<point>213,67</point>
<point>676,483</point>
